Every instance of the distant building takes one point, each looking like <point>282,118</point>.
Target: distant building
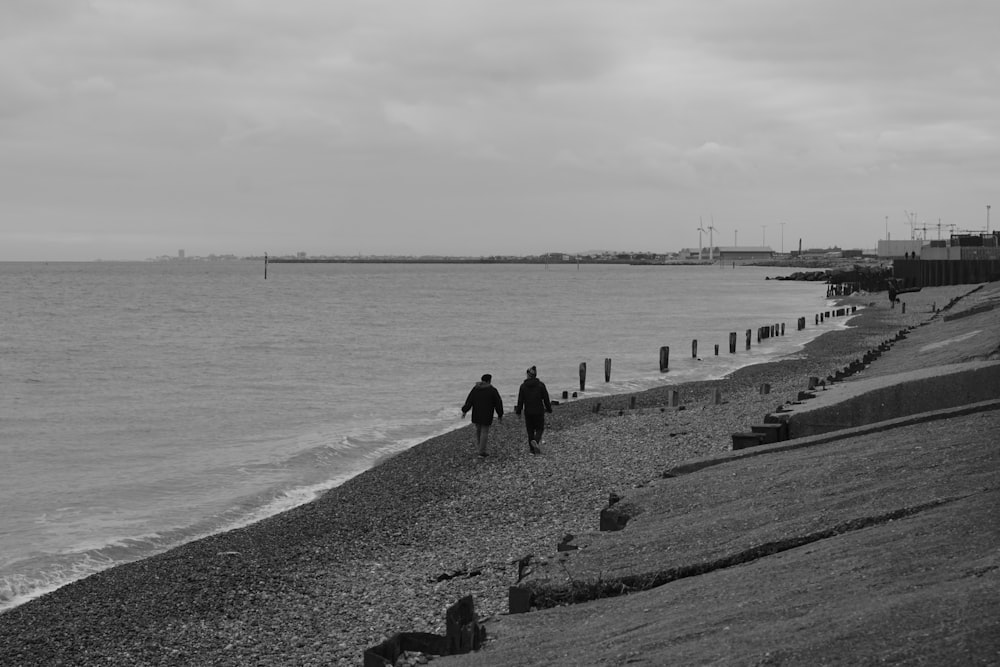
<point>180,254</point>
<point>818,253</point>
<point>691,254</point>
<point>962,246</point>
<point>961,260</point>
<point>726,253</point>
<point>743,253</point>
<point>899,249</point>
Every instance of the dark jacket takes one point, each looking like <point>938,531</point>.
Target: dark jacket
<point>533,398</point>
<point>483,400</point>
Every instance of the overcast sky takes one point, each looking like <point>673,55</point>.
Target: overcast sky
<point>133,128</point>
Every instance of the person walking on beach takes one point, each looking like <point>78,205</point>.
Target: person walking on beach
<point>483,400</point>
<point>533,399</point>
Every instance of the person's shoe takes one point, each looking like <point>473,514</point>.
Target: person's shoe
<point>483,455</point>
<point>533,446</point>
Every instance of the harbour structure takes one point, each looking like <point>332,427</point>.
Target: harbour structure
<point>960,259</point>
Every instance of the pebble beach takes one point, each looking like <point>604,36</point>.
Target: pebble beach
<point>392,548</point>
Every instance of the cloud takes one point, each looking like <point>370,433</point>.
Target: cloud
<point>238,109</point>
<point>93,85</point>
<point>20,92</point>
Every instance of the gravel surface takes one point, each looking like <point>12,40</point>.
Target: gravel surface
<point>391,549</point>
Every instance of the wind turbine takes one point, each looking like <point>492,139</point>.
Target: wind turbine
<point>701,230</point>
<point>711,229</point>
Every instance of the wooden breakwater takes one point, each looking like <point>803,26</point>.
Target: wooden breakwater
<point>770,330</point>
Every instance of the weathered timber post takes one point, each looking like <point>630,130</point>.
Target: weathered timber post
<point>904,308</point>
<point>265,266</point>
<point>749,334</point>
<point>607,369</point>
<point>675,399</point>
<point>664,358</point>
<point>732,342</point>
<point>782,328</point>
<point>717,396</point>
<point>631,402</point>
<point>583,374</point>
<point>694,349</point>
<point>716,349</point>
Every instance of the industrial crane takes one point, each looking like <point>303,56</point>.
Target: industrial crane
<point>950,226</point>
<point>911,220</point>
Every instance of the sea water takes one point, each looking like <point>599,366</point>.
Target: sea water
<point>143,405</point>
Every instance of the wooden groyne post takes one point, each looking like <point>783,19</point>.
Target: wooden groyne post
<point>664,358</point>
<point>265,266</point>
<point>583,374</point>
<point>607,369</point>
<point>694,349</point>
<point>732,342</point>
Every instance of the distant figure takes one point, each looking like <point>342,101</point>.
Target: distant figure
<point>533,399</point>
<point>893,292</point>
<point>483,400</point>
